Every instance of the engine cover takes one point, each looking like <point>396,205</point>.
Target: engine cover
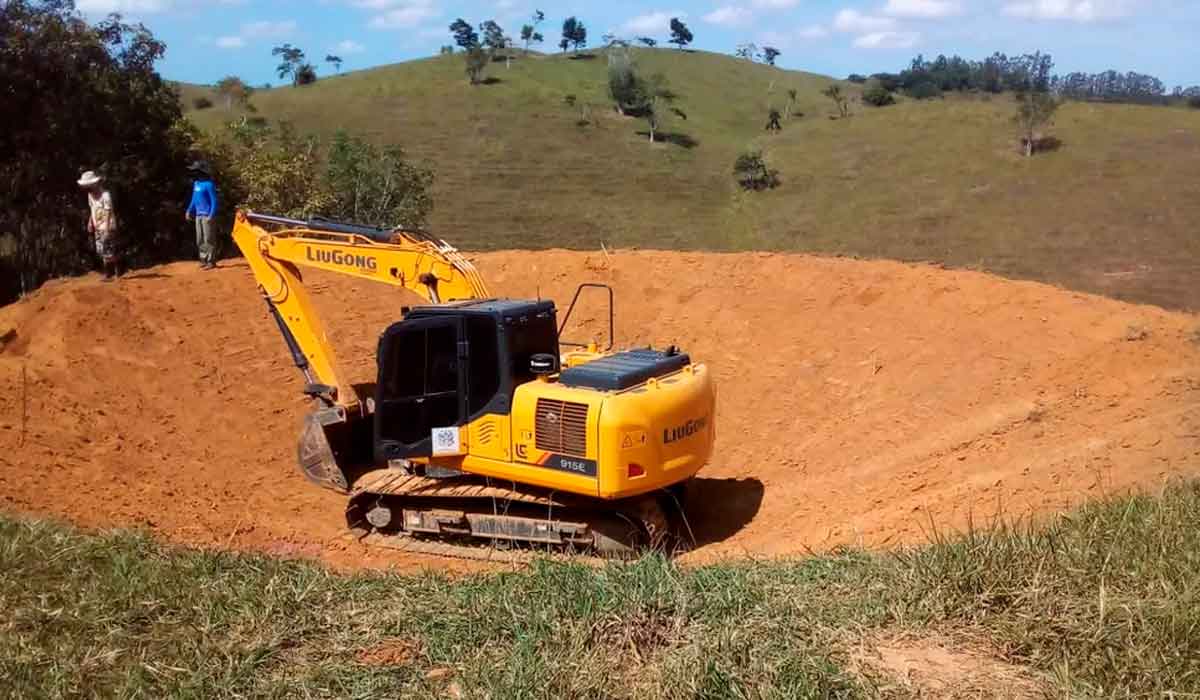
<point>624,369</point>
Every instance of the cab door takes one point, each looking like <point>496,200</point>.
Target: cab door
<point>421,385</point>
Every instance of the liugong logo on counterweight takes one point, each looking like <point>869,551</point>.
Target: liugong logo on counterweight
<point>686,430</point>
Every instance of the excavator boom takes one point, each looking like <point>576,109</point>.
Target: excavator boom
<point>277,248</point>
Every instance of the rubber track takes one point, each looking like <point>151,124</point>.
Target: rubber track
<point>481,552</point>
<point>392,482</point>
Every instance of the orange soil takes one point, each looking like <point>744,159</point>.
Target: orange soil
<point>859,402</point>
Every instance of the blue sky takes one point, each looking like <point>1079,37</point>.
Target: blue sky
<point>208,39</point>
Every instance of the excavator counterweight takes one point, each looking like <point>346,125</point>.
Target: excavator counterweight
<point>479,427</point>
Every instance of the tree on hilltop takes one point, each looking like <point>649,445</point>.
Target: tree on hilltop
<point>681,36</point>
<point>495,41</point>
<point>529,32</point>
<point>291,62</point>
<point>574,34</point>
<point>464,34</point>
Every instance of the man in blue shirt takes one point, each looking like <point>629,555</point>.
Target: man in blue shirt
<point>203,208</point>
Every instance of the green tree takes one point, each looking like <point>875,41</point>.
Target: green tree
<point>1035,111</point>
<point>477,60</point>
<point>234,91</point>
<point>335,61</point>
<point>659,103</point>
<point>306,74</point>
<point>624,87</point>
<point>529,32</point>
<point>376,186</point>
<point>773,117</point>
<point>291,61</point>
<point>56,69</point>
<point>748,51</point>
<point>464,34</point>
<point>274,170</point>
<point>495,41</point>
<point>647,41</point>
<point>769,54</point>
<point>574,34</point>
<point>752,172</point>
<point>834,92</point>
<point>877,95</point>
<point>681,36</point>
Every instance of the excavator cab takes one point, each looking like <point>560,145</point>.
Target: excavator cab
<point>446,366</point>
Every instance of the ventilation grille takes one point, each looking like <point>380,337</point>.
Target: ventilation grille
<point>561,428</point>
<point>487,431</point>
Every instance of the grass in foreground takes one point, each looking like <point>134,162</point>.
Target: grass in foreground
<point>1105,602</point>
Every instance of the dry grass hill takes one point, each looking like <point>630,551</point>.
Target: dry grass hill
<point>1113,211</point>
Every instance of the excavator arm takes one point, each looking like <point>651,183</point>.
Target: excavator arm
<point>277,248</point>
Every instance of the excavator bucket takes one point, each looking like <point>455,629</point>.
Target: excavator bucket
<point>331,451</point>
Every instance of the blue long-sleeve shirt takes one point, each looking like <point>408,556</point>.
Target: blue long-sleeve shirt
<point>204,199</point>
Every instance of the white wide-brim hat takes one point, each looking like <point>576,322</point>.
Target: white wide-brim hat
<point>90,178</point>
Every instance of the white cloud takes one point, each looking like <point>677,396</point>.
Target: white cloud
<point>887,40</point>
<point>1072,10</point>
<point>269,30</point>
<point>923,9</point>
<point>257,30</point>
<point>652,22</point>
<point>855,22</point>
<point>103,7</point>
<point>791,38</point>
<point>349,46</point>
<point>729,16</point>
<point>400,14</point>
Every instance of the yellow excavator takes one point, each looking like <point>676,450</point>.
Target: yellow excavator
<point>484,427</point>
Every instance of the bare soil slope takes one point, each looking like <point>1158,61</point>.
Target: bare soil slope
<point>859,402</point>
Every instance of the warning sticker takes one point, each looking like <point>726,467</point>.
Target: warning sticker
<point>633,440</point>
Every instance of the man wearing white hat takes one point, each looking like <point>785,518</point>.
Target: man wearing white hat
<point>102,223</point>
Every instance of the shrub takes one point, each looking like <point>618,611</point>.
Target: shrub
<point>889,81</point>
<point>878,96</point>
<point>924,91</point>
<point>1194,102</point>
<point>278,171</point>
<point>752,172</point>
<point>856,78</point>
<point>378,186</point>
<point>202,103</point>
<point>306,74</point>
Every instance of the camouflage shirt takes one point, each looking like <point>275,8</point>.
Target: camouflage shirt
<point>104,219</point>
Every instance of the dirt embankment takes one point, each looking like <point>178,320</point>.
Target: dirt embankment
<point>859,402</point>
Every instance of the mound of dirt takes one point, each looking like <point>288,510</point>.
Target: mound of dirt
<point>859,402</point>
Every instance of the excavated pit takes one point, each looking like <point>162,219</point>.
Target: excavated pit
<point>859,402</point>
